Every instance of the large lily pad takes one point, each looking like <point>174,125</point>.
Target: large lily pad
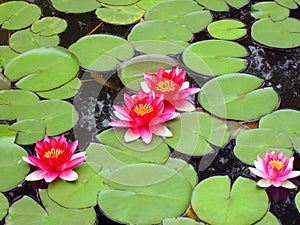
<point>6,54</point>
<point>292,4</point>
<point>3,206</point>
<point>255,142</point>
<point>194,131</point>
<point>269,9</point>
<point>16,15</point>
<point>49,26</point>
<point>216,202</point>
<point>118,2</point>
<point>215,57</point>
<point>296,144</point>
<point>6,134</point>
<point>180,221</point>
<point>11,163</point>
<point>75,6</point>
<point>268,219</point>
<point>146,4</point>
<point>280,34</point>
<point>101,52</point>
<point>222,5</point>
<point>235,96</point>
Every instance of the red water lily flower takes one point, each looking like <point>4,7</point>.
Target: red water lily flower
<point>172,86</point>
<point>144,115</point>
<point>55,158</point>
<point>275,170</point>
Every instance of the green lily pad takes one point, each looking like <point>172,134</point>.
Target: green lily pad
<point>118,2</point>
<point>143,194</point>
<point>263,10</point>
<point>58,116</point>
<point>297,201</point>
<point>236,96</point>
<point>11,163</point>
<point>257,141</point>
<point>132,71</point>
<point>29,131</point>
<point>146,4</point>
<point>101,52</point>
<point>6,54</point>
<point>194,131</point>
<point>120,14</point>
<point>180,221</point>
<point>227,29</point>
<point>4,82</point>
<point>216,202</point>
<point>34,72</point>
<point>75,6</point>
<point>49,26</point>
<point>12,103</point>
<point>268,219</point>
<point>16,15</point>
<point>215,57</point>
<point>292,4</point>
<point>3,206</point>
<point>27,212</point>
<point>68,90</point>
<point>6,134</point>
<point>222,5</point>
<point>281,34</point>
<point>296,144</point>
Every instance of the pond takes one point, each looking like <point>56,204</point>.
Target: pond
<point>242,62</point>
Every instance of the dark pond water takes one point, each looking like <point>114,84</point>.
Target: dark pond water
<point>279,67</point>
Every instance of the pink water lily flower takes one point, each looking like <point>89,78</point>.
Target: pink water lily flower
<point>144,115</point>
<point>275,170</point>
<point>172,86</point>
<point>55,158</point>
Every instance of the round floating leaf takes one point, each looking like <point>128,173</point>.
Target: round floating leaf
<point>58,116</point>
<point>146,4</point>
<point>6,54</point>
<point>12,103</point>
<point>101,52</point>
<point>37,74</point>
<point>68,90</point>
<point>221,5</point>
<point>268,219</point>
<point>296,144</point>
<point>3,206</point>
<point>132,71</point>
<point>269,9</point>
<point>6,134</point>
<point>16,15</point>
<point>118,2</point>
<point>292,4</point>
<point>49,26</point>
<point>13,169</point>
<point>227,29</point>
<point>216,202</point>
<point>215,57</point>
<point>297,201</point>
<point>281,34</point>
<point>29,131</point>
<point>252,143</point>
<point>120,14</point>
<point>180,221</point>
<point>146,194</point>
<point>285,120</point>
<point>75,6</point>
<point>235,96</point>
<point>27,212</point>
<point>194,131</point>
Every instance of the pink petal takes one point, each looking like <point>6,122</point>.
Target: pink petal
<point>38,163</point>
<point>50,176</point>
<point>168,116</point>
<point>169,108</point>
<point>288,184</point>
<point>61,139</point>
<point>68,175</point>
<point>183,105</point>
<point>75,162</point>
<point>294,174</point>
<point>258,173</point>
<point>290,163</point>
<point>276,183</point>
<point>73,146</point>
<point>264,183</point>
<point>36,175</point>
<point>128,101</point>
<point>119,123</point>
<point>131,136</point>
<point>145,87</point>
<point>161,130</point>
<point>26,159</point>
<point>121,116</point>
<point>185,85</point>
<point>121,110</point>
<point>146,134</point>
<point>258,165</point>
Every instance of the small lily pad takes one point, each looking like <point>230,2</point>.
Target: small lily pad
<point>6,134</point>
<point>3,206</point>
<point>180,221</point>
<point>292,4</point>
<point>222,5</point>
<point>216,202</point>
<point>255,142</point>
<point>6,54</point>
<point>297,201</point>
<point>75,6</point>
<point>11,163</point>
<point>263,10</point>
<point>49,26</point>
<point>118,2</point>
<point>268,219</point>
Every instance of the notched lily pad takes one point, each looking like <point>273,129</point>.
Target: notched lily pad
<point>49,26</point>
<point>268,219</point>
<point>3,206</point>
<point>180,221</point>
<point>263,10</point>
<point>6,54</point>
<point>118,2</point>
<point>297,201</point>
<point>292,4</point>
<point>6,134</point>
<point>75,6</point>
<point>222,5</point>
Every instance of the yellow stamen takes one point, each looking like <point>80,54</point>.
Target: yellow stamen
<point>53,153</point>
<point>165,86</point>
<point>276,164</point>
<point>142,109</point>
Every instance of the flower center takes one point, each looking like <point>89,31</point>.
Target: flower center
<point>165,86</point>
<point>142,109</point>
<point>53,153</point>
<point>276,164</point>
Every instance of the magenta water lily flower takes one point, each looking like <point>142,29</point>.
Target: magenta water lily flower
<point>55,158</point>
<point>172,86</point>
<point>143,114</point>
<point>275,170</point>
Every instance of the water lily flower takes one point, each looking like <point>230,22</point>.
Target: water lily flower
<point>275,169</point>
<point>172,86</point>
<point>144,115</point>
<point>55,158</point>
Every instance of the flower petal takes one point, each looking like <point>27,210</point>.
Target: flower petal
<point>68,175</point>
<point>38,163</point>
<point>294,174</point>
<point>36,175</point>
<point>161,130</point>
<point>183,105</point>
<point>119,123</point>
<point>131,136</point>
<point>75,162</point>
<point>264,183</point>
<point>73,146</point>
<point>146,134</point>
<point>50,176</point>
<point>288,184</point>
<point>258,173</point>
<point>145,87</point>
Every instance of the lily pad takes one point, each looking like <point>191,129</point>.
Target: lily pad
<point>6,54</point>
<point>257,141</point>
<point>222,5</point>
<point>180,221</point>
<point>58,116</point>
<point>12,103</point>
<point>268,219</point>
<point>75,6</point>
<point>194,131</point>
<point>49,26</point>
<point>132,71</point>
<point>292,4</point>
<point>29,131</point>
<point>34,72</point>
<point>263,10</point>
<point>27,212</point>
<point>215,57</point>
<point>216,202</point>
<point>11,163</point>
<point>118,2</point>
<point>101,52</point>
<point>227,29</point>
<point>146,4</point>
<point>6,134</point>
<point>280,34</point>
<point>296,144</point>
<point>238,96</point>
<point>16,15</point>
<point>143,194</point>
<point>297,201</point>
<point>3,206</point>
